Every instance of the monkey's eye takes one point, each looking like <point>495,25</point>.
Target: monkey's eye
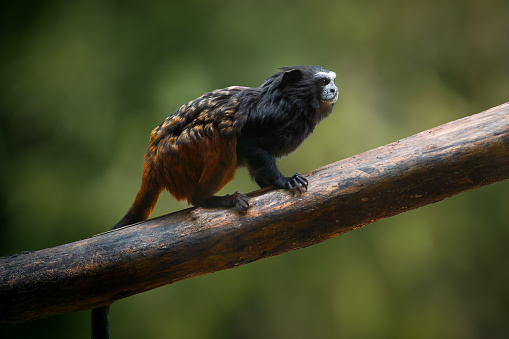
<point>324,81</point>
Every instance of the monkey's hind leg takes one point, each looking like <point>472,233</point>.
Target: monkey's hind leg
<point>195,171</point>
<point>218,163</point>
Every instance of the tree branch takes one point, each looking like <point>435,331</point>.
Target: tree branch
<point>419,170</point>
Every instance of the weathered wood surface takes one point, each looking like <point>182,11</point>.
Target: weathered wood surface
<point>419,170</point>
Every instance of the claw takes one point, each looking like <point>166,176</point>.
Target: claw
<point>297,183</point>
<point>291,186</point>
<point>301,180</point>
<point>241,202</point>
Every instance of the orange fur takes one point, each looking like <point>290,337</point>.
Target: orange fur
<point>197,169</point>
<point>190,168</point>
<point>145,201</point>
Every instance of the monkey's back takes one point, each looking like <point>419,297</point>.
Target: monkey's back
<point>193,152</point>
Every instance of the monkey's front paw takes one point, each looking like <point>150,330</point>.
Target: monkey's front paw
<point>241,202</point>
<point>297,183</point>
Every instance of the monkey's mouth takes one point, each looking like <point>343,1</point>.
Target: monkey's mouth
<point>331,99</point>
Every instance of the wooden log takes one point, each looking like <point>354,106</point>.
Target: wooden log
<point>419,170</point>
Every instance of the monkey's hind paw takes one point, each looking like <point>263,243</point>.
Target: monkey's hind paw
<point>238,200</point>
<point>241,202</point>
<point>297,183</point>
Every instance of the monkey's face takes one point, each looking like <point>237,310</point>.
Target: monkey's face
<point>328,92</point>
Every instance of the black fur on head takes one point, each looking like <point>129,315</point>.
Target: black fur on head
<point>305,86</point>
<point>286,107</point>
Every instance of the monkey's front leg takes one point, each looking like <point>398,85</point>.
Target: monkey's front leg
<point>262,167</point>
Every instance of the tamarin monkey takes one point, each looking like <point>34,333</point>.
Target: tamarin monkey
<point>197,150</point>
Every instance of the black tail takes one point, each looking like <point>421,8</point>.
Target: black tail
<point>100,324</point>
<point>140,210</point>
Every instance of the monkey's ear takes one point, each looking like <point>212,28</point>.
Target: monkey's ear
<point>290,77</point>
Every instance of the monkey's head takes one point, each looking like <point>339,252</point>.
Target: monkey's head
<point>315,80</point>
<point>286,107</point>
<point>313,84</point>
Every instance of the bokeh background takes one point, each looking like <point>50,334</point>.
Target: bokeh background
<point>82,84</point>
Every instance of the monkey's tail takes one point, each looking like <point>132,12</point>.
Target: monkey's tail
<point>145,201</point>
<point>140,210</point>
<point>100,323</point>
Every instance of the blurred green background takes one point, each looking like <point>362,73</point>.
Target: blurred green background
<point>84,82</point>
